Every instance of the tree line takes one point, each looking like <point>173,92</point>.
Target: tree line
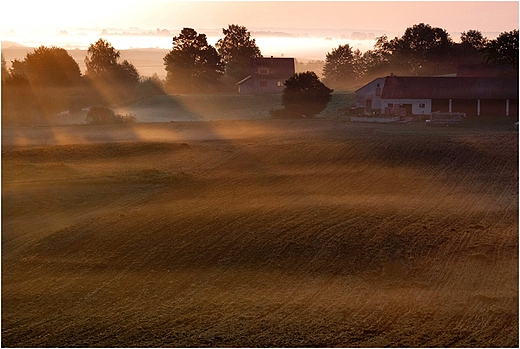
<point>49,80</point>
<point>422,51</point>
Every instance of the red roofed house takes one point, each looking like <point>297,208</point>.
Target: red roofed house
<point>424,95</point>
<point>267,75</point>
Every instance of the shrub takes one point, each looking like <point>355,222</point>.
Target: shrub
<point>304,96</point>
<point>149,87</point>
<point>106,116</point>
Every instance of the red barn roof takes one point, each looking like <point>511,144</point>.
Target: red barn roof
<point>399,87</point>
<point>279,68</point>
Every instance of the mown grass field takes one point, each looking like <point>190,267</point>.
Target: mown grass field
<point>278,233</point>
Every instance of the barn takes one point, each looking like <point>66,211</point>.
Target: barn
<point>424,95</point>
<point>267,75</point>
<point>368,97</point>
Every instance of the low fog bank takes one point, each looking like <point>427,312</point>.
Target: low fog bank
<point>200,108</point>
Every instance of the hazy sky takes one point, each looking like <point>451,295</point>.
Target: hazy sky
<point>486,16</point>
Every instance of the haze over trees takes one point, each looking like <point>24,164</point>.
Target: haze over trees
<point>38,85</point>
<point>48,80</point>
<point>116,80</point>
<point>48,66</point>
<point>342,64</point>
<point>422,50</point>
<point>18,98</point>
<point>192,65</point>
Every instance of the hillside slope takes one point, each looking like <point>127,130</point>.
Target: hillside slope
<point>260,233</point>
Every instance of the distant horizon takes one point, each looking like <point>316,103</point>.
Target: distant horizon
<point>312,30</point>
<point>388,16</point>
<point>270,39</point>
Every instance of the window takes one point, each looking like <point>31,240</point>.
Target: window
<point>263,83</point>
<point>390,105</point>
<point>280,83</point>
<point>422,105</point>
<point>263,71</point>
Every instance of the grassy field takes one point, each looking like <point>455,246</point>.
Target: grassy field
<point>278,233</point>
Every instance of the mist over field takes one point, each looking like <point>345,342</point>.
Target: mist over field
<point>335,174</point>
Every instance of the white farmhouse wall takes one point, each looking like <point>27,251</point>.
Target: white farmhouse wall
<point>370,92</point>
<point>419,106</point>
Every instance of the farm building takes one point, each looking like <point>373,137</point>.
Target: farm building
<point>424,95</point>
<point>267,75</point>
<point>369,96</point>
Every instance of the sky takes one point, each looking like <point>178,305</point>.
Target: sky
<point>486,16</point>
<point>318,26</point>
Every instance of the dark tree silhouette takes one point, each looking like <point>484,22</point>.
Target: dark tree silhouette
<point>101,58</point>
<point>423,40</point>
<point>503,49</point>
<point>39,86</point>
<point>112,81</point>
<point>102,63</point>
<point>304,96</point>
<point>48,66</point>
<point>236,50</point>
<point>419,44</point>
<point>473,39</point>
<point>105,116</point>
<point>192,65</point>
<point>373,64</point>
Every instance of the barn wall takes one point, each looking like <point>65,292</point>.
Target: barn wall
<point>442,105</point>
<point>414,103</point>
<point>490,107</point>
<point>370,92</point>
<point>468,106</point>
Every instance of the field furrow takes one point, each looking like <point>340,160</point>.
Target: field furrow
<point>278,233</point>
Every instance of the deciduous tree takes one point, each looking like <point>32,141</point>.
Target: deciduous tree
<point>236,50</point>
<point>304,95</point>
<point>101,58</point>
<point>340,66</point>
<point>419,44</point>
<point>473,39</point>
<point>503,49</point>
<point>48,66</point>
<point>192,65</point>
<point>102,63</point>
<point>112,80</point>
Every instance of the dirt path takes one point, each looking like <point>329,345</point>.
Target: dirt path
<point>260,233</point>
